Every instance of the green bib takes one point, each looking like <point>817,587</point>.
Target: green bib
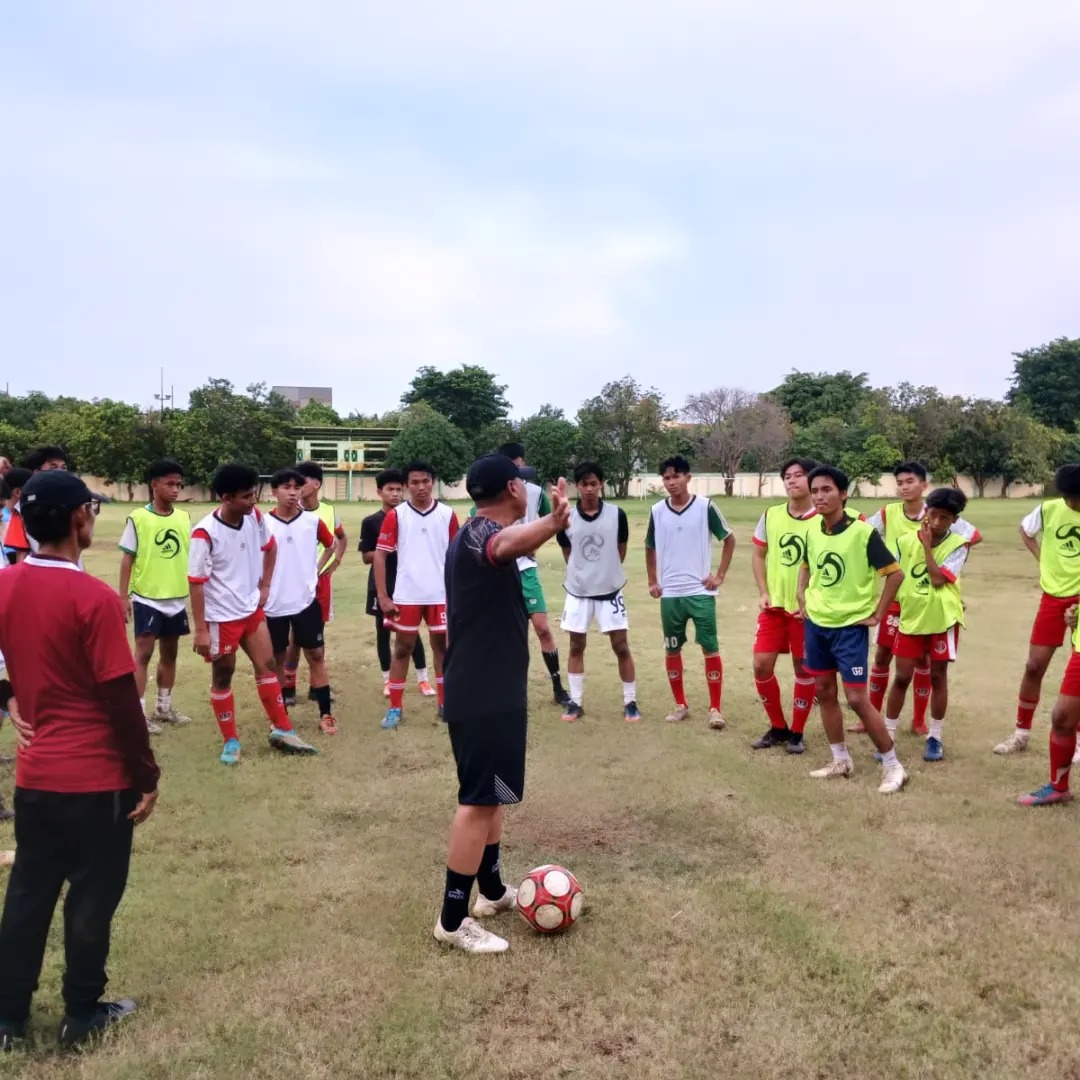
<point>843,587</point>
<point>897,525</point>
<point>784,555</point>
<point>1059,556</point>
<point>161,559</point>
<point>925,609</point>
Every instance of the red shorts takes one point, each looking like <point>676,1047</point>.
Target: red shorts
<point>225,637</point>
<point>928,646</point>
<point>1070,681</point>
<point>1050,629</point>
<point>779,631</point>
<point>324,594</point>
<point>410,616</point>
<point>889,627</point>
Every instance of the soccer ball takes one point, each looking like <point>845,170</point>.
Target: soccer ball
<point>550,899</point>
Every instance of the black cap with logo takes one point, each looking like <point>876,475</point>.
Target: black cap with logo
<point>489,475</point>
<point>55,490</point>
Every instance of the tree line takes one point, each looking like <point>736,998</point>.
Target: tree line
<point>449,417</point>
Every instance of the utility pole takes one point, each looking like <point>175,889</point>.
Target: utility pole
<point>162,397</point>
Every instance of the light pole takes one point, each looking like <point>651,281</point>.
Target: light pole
<point>162,397</point>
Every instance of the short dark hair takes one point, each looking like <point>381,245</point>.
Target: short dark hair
<point>1066,480</point>
<point>36,458</point>
<point>47,524</point>
<point>916,468</point>
<point>512,450</point>
<point>676,462</point>
<point>283,476</point>
<point>837,476</point>
<point>950,499</point>
<point>418,466</point>
<point>233,478</point>
<point>389,476</point>
<point>310,470</point>
<point>808,465</point>
<point>15,479</point>
<point>588,468</point>
<point>161,468</point>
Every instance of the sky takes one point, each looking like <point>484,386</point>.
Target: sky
<point>695,193</point>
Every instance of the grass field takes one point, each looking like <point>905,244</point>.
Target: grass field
<point>742,920</point>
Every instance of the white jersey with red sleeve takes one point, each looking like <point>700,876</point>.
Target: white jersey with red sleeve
<point>421,540</point>
<point>296,573</point>
<point>227,560</point>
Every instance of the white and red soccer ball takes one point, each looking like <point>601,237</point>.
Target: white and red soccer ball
<point>549,899</point>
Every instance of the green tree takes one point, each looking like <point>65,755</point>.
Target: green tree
<point>809,397</point>
<point>1046,382</point>
<point>468,396</point>
<point>869,461</point>
<point>550,442</point>
<point>318,414</point>
<point>427,435</point>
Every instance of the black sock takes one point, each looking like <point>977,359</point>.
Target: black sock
<point>322,696</point>
<point>455,905</point>
<point>488,879</point>
<point>551,662</point>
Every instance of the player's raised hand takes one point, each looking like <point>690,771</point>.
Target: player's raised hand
<point>926,535</point>
<point>560,504</point>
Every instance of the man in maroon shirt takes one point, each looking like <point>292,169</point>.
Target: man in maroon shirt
<point>87,775</point>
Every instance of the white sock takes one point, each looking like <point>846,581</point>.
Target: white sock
<point>1023,733</point>
<point>577,686</point>
<point>164,700</point>
<point>891,724</point>
<point>421,674</point>
<point>936,727</point>
<point>386,676</point>
<point>889,758</point>
<point>839,751</point>
<point>629,692</point>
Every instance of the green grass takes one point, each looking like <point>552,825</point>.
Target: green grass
<point>742,920</point>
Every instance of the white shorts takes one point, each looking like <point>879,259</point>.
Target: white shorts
<point>578,614</point>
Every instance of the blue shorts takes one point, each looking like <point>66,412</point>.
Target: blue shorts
<point>843,649</point>
<point>149,620</point>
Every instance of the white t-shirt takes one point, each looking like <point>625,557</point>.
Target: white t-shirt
<point>296,574</point>
<point>421,540</point>
<point>228,561</point>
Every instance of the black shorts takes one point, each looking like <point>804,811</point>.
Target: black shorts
<point>306,628</point>
<point>490,756</point>
<point>148,620</point>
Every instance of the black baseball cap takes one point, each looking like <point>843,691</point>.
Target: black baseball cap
<point>56,490</point>
<point>489,475</point>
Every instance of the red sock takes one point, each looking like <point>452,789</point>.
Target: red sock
<point>673,662</point>
<point>270,696</point>
<point>921,682</point>
<point>879,686</point>
<point>714,672</point>
<point>1062,748</point>
<point>290,677</point>
<point>439,689</point>
<point>803,703</point>
<point>397,693</point>
<point>769,692</point>
<point>221,701</point>
<point>1025,713</point>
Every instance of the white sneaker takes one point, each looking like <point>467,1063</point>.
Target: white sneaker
<point>484,908</point>
<point>835,770</point>
<point>678,714</point>
<point>170,716</point>
<point>893,778</point>
<point>470,936</point>
<point>716,720</point>
<point>152,728</point>
<point>1013,744</point>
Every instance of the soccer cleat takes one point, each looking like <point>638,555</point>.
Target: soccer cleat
<point>328,725</point>
<point>795,744</point>
<point>152,728</point>
<point>1014,744</point>
<point>561,696</point>
<point>678,714</point>
<point>74,1031</point>
<point>934,750</point>
<point>858,728</point>
<point>288,742</point>
<point>1047,795</point>
<point>893,778</point>
<point>288,697</point>
<point>716,720</point>
<point>572,712</point>
<point>919,729</point>
<point>835,770</point>
<point>773,737</point>
<point>231,754</point>
<point>311,694</point>
<point>170,716</point>
<point>483,908</point>
<point>631,712</point>
<point>11,1037</point>
<point>471,937</point>
<point>424,687</point>
<point>391,719</point>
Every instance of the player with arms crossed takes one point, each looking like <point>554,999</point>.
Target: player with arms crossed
<point>678,560</point>
<point>390,484</point>
<point>154,586</point>
<point>1051,532</point>
<point>594,547</point>
<point>292,609</point>
<point>931,610</point>
<point>419,531</point>
<point>779,550</point>
<point>489,647</point>
<point>230,568</point>
<point>838,596</point>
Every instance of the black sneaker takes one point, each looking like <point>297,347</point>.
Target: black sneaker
<point>311,694</point>
<point>572,711</point>
<point>11,1036</point>
<point>5,813</point>
<point>74,1031</point>
<point>773,737</point>
<point>795,744</point>
<point>561,697</point>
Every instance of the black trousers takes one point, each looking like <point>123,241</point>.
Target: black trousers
<point>84,840</point>
<point>382,646</point>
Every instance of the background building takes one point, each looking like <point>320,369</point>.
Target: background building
<point>350,457</point>
<point>301,395</point>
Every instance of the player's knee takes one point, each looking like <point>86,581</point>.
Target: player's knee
<point>902,677</point>
<point>316,656</point>
<point>1065,719</point>
<point>857,698</point>
<point>939,677</point>
<point>168,650</point>
<point>621,648</point>
<point>882,657</point>
<point>764,666</point>
<point>1036,665</point>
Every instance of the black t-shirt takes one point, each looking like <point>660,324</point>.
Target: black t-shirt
<point>486,671</point>
<point>370,528</point>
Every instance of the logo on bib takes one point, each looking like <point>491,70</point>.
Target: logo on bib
<point>1068,537</point>
<point>167,541</point>
<point>832,569</point>
<point>792,549</point>
<point>592,548</point>
<point>921,576</point>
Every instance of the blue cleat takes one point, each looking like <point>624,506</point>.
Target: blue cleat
<point>631,712</point>
<point>231,754</point>
<point>1047,795</point>
<point>391,719</point>
<point>934,750</point>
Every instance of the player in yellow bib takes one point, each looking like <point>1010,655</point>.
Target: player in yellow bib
<point>931,611</point>
<point>154,585</point>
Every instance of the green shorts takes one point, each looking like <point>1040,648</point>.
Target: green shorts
<point>533,592</point>
<point>677,611</point>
